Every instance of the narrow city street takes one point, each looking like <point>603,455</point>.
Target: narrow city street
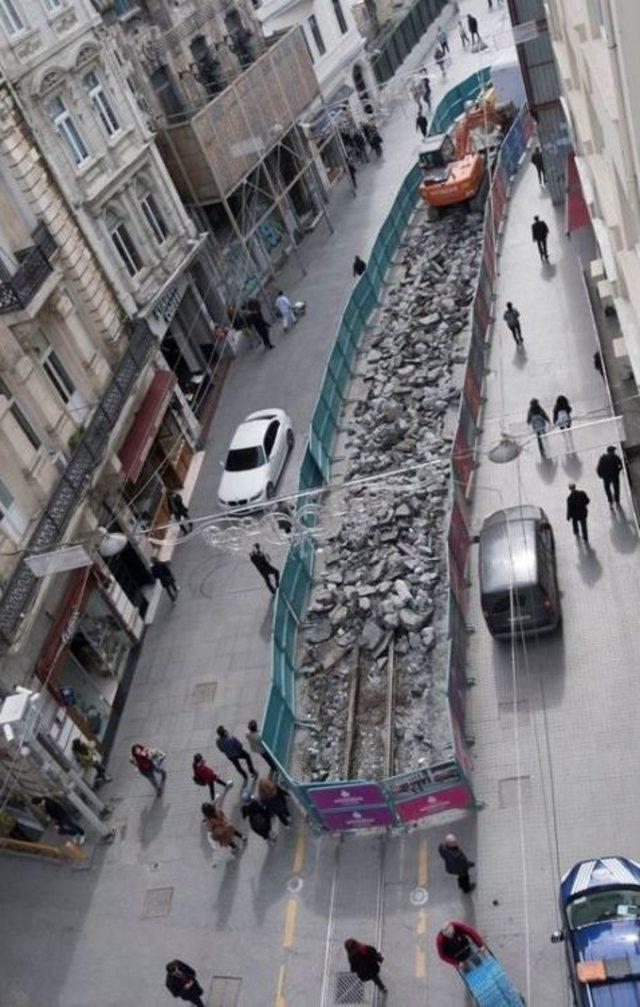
<point>270,928</point>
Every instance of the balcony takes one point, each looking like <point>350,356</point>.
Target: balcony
<point>33,270</point>
<point>21,588</point>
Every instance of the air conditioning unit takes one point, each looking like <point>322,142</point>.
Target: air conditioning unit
<point>606,295</point>
<point>596,270</point>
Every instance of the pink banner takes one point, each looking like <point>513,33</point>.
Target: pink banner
<point>368,818</point>
<point>462,460</point>
<point>459,796</point>
<point>458,538</point>
<point>349,795</point>
<point>471,392</point>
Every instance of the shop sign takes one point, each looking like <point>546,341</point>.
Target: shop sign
<point>351,795</point>
<point>429,804</point>
<point>162,313</point>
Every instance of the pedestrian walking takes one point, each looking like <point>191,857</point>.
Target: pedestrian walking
<point>163,573</point>
<point>235,752</point>
<point>426,91</point>
<point>464,38</point>
<point>359,266</point>
<point>221,832</point>
<point>86,755</point>
<point>422,124</point>
<point>490,4</point>
<point>441,36</point>
<point>360,145</point>
<point>259,323</point>
<point>264,567</point>
<point>472,23</point>
<point>540,233</point>
<point>538,161</point>
<point>456,862</point>
<point>180,512</point>
<point>609,469</point>
<point>274,798</point>
<point>283,514</point>
<point>562,413</point>
<point>365,961</point>
<point>205,776</point>
<point>538,420</point>
<point>578,511</point>
<point>284,307</point>
<point>255,743</point>
<point>259,819</point>
<point>375,142</point>
<point>182,982</point>
<point>149,763</point>
<point>512,318</point>
<point>597,363</point>
<point>60,818</point>
<point>455,944</point>
<point>351,168</point>
<point>439,58</point>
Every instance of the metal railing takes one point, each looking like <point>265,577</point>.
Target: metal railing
<point>34,267</point>
<point>74,482</point>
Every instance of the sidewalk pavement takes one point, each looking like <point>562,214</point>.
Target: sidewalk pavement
<point>102,935</point>
<point>552,731</point>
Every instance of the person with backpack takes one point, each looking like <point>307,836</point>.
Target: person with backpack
<point>538,420</point>
<point>365,961</point>
<point>562,413</point>
<point>205,776</point>
<point>259,819</point>
<point>220,831</point>
<point>512,318</point>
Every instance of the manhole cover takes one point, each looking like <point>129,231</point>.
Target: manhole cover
<point>204,692</point>
<point>349,989</point>
<point>419,897</point>
<point>294,885</point>
<point>157,902</point>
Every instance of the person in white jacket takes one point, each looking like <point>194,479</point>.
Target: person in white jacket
<point>284,307</point>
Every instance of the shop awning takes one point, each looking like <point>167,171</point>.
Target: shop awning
<point>63,625</point>
<point>145,425</point>
<point>577,212</point>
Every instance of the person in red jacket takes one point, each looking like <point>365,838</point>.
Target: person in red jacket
<point>365,961</point>
<point>454,943</point>
<point>205,776</point>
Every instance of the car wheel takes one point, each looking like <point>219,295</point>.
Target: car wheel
<point>270,492</point>
<point>290,438</point>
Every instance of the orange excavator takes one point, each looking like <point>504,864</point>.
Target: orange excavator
<point>454,169</point>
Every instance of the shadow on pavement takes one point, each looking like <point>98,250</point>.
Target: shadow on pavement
<point>589,566</point>
<point>624,535</point>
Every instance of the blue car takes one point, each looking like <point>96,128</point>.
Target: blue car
<point>600,907</point>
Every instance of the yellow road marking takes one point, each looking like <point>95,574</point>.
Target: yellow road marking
<point>421,964</point>
<point>299,852</point>
<point>280,1001</point>
<point>422,863</point>
<point>290,922</point>
<point>421,923</point>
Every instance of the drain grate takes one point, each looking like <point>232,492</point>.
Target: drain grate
<point>349,989</point>
<point>204,692</point>
<point>157,902</point>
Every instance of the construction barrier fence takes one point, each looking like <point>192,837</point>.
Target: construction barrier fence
<point>350,805</point>
<point>395,44</point>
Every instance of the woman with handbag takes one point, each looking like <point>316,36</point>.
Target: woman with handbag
<point>148,762</point>
<point>365,961</point>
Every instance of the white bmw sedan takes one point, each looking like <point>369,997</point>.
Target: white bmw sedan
<point>256,458</point>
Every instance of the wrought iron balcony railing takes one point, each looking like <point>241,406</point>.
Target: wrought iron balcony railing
<point>34,267</point>
<point>21,587</point>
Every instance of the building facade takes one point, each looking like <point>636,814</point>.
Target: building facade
<point>594,43</point>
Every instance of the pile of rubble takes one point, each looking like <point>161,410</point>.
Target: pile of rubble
<point>383,576</point>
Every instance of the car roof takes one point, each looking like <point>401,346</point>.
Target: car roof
<point>605,872</point>
<point>251,431</point>
<point>508,553</point>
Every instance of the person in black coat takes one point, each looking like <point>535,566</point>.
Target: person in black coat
<point>577,510</point>
<point>365,961</point>
<point>260,819</point>
<point>181,981</point>
<point>359,266</point>
<point>540,233</point>
<point>256,319</point>
<point>537,161</point>
<point>609,469</point>
<point>162,572</point>
<point>266,569</point>
<point>473,29</point>
<point>456,862</point>
<point>180,512</point>
<point>422,124</point>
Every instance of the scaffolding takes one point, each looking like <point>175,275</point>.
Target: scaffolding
<point>250,168</point>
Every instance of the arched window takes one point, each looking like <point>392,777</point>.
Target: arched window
<point>123,243</point>
<point>68,131</point>
<point>101,104</point>
<point>153,216</point>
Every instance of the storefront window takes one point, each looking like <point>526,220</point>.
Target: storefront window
<point>81,695</point>
<point>100,644</point>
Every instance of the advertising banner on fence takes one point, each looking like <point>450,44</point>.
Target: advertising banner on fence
<point>459,796</point>
<point>427,791</point>
<point>367,818</point>
<point>348,795</point>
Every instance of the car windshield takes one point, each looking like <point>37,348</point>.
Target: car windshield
<point>614,904</point>
<point>243,459</point>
